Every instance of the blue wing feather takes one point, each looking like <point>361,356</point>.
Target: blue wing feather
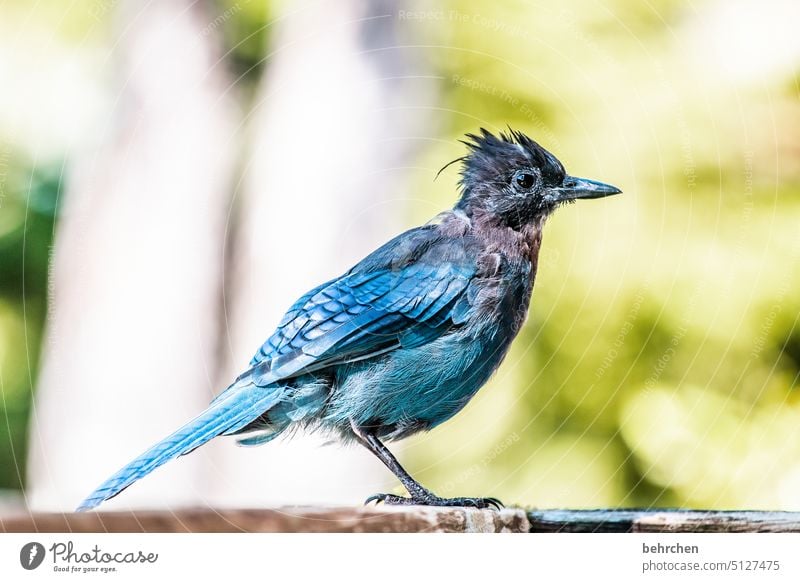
<point>414,301</point>
<point>402,294</point>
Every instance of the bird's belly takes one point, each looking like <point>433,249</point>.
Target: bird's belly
<point>414,389</point>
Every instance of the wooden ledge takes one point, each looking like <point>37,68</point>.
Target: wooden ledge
<point>285,519</point>
<point>403,520</point>
<point>662,520</point>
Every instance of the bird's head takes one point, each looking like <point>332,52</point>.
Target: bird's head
<point>515,180</point>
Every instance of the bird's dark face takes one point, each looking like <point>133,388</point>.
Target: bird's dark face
<point>516,180</point>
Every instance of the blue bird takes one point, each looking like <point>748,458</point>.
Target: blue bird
<point>403,340</point>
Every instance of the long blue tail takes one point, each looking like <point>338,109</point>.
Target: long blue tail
<point>229,412</point>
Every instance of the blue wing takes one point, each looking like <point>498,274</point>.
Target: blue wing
<point>401,295</point>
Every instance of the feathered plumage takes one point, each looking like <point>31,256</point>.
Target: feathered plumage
<point>403,340</point>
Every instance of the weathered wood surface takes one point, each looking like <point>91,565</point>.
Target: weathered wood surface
<point>662,520</point>
<point>402,520</point>
<point>287,519</point>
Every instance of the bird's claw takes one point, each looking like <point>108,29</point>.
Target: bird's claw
<point>434,501</point>
<point>479,502</point>
<point>390,499</point>
<point>494,502</point>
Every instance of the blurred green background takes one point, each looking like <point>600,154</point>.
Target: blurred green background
<point>660,363</point>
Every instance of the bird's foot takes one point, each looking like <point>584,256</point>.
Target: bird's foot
<point>435,501</point>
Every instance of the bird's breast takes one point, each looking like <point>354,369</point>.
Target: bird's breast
<point>514,257</point>
<point>503,292</point>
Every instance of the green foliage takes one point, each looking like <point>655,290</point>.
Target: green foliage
<point>245,27</point>
<point>27,213</point>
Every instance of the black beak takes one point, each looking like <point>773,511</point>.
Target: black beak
<point>572,188</point>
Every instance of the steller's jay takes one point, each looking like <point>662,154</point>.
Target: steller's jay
<point>401,342</point>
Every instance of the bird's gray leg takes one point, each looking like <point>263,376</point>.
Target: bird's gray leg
<point>419,494</point>
<point>377,448</point>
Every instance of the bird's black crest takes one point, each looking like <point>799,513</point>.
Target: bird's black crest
<point>491,158</point>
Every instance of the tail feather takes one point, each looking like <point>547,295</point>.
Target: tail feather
<point>231,411</point>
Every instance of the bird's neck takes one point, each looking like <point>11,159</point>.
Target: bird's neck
<point>524,241</point>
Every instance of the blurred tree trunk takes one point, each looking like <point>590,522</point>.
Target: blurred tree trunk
<point>131,348</point>
<point>334,123</point>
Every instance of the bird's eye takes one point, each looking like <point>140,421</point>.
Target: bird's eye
<point>524,180</point>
